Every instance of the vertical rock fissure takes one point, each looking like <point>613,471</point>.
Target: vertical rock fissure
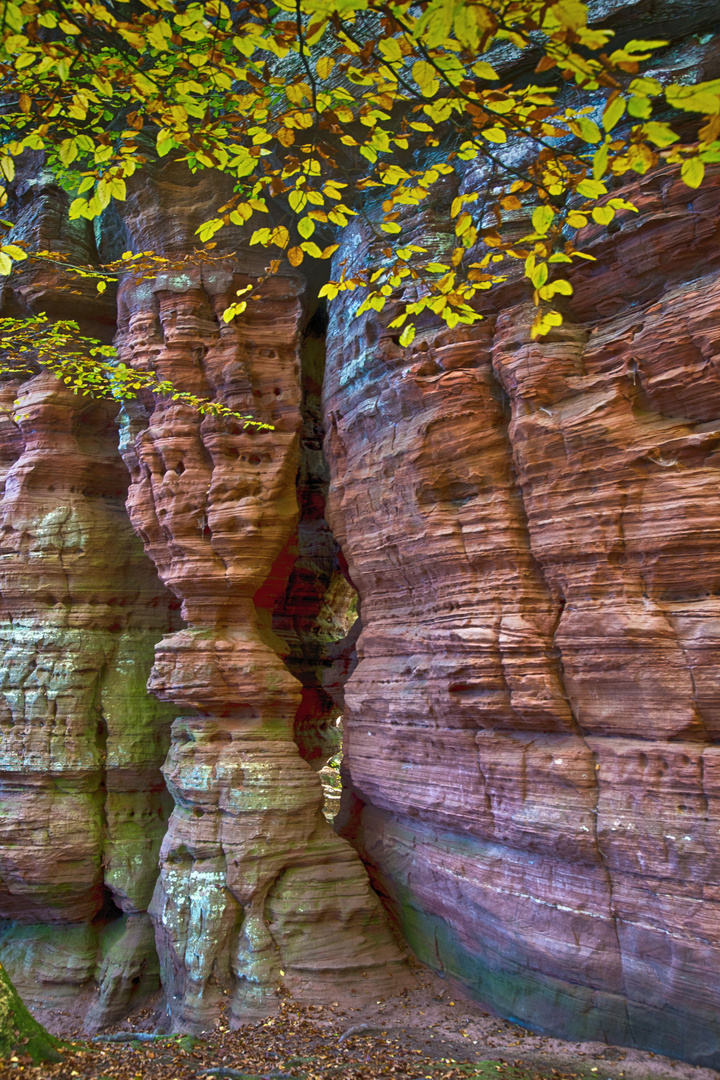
<point>319,607</point>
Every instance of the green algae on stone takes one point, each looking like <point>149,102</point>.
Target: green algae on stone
<point>19,1032</point>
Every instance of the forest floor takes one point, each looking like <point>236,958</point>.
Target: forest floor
<point>429,1031</point>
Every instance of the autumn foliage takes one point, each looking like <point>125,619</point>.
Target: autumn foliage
<point>323,110</point>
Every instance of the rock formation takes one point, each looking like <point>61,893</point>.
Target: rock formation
<point>530,700</point>
<point>531,729</point>
<point>255,888</point>
<point>84,803</point>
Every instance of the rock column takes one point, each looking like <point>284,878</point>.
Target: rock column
<point>84,805</point>
<point>255,888</point>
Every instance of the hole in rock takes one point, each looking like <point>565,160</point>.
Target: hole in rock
<point>108,912</point>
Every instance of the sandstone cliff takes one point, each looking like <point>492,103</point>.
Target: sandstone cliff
<point>531,729</point>
<point>531,704</point>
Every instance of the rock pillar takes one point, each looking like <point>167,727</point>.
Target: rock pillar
<point>255,888</point>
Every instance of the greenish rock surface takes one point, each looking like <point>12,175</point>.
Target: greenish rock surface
<point>19,1032</point>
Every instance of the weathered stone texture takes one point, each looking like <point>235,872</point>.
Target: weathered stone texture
<point>84,805</point>
<point>531,729</point>
<point>253,880</point>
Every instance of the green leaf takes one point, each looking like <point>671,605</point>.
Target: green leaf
<point>660,134</point>
<point>539,275</point>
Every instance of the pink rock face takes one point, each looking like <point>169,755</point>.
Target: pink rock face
<point>255,888</point>
<point>531,729</point>
<point>84,805</point>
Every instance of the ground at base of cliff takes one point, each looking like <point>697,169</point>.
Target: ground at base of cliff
<point>429,1031</point>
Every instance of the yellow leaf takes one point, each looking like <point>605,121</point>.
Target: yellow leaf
<point>117,189</point>
<point>613,111</point>
<point>462,224</point>
<point>589,131</point>
<point>297,200</point>
<point>101,286</point>
<point>542,218</point>
<point>603,215</point>
<point>295,256</point>
<point>280,236</point>
<point>484,71</point>
<point>407,335</point>
<point>324,66</point>
<point>78,209</point>
<point>306,227</point>
<point>692,172</point>
<point>423,73</point>
<point>494,134</point>
<point>390,49</point>
<point>297,92</point>
<point>600,161</point>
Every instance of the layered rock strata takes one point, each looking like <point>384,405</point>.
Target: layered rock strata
<point>81,742</point>
<point>84,805</point>
<point>255,888</point>
<point>531,730</point>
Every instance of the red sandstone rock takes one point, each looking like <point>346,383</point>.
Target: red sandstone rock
<point>530,728</point>
<point>255,888</point>
<point>84,806</point>
<point>81,742</point>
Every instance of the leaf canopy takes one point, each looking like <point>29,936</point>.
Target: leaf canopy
<point>323,110</point>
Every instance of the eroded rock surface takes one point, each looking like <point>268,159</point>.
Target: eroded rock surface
<point>84,805</point>
<point>255,888</point>
<point>531,731</point>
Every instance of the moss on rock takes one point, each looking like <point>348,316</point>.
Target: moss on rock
<point>19,1032</point>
